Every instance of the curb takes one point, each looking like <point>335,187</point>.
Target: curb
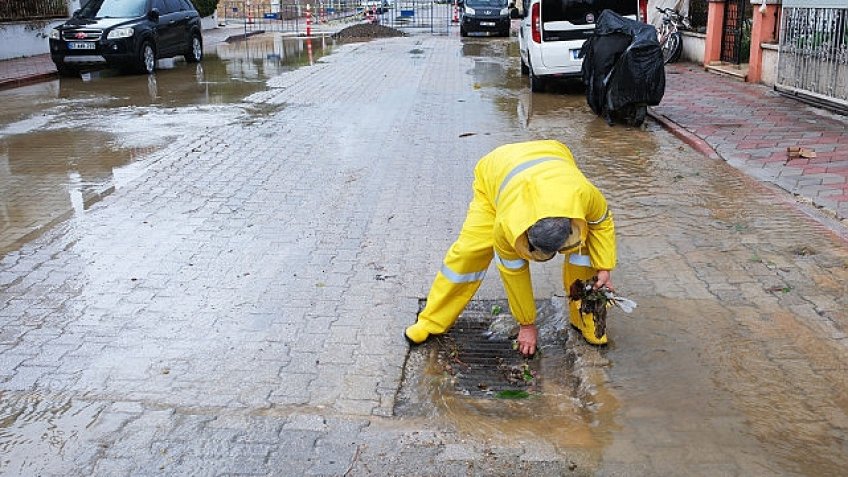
<point>689,138</point>
<point>243,36</point>
<point>25,80</point>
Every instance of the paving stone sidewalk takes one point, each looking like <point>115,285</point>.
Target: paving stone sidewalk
<point>237,310</point>
<point>751,127</point>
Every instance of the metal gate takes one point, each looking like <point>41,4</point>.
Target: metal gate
<point>418,14</point>
<point>291,17</point>
<point>732,37</point>
<point>813,54</point>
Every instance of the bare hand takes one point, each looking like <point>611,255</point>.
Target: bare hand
<point>604,280</point>
<point>527,337</point>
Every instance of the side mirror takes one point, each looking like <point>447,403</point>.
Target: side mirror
<point>153,15</point>
<point>76,13</point>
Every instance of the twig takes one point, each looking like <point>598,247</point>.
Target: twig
<point>353,462</point>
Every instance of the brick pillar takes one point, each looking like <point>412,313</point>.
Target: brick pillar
<point>762,31</point>
<point>715,22</point>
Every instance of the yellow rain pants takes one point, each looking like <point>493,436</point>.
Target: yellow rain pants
<point>515,186</point>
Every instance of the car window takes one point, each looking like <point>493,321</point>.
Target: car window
<point>581,12</point>
<point>113,9</point>
<point>173,6</point>
<point>187,6</point>
<point>159,5</point>
<point>486,3</point>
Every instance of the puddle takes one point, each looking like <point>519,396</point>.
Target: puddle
<point>65,144</point>
<point>41,435</point>
<point>566,403</point>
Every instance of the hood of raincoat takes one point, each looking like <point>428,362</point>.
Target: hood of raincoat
<point>550,188</point>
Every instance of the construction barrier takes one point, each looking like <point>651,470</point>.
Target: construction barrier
<point>289,15</point>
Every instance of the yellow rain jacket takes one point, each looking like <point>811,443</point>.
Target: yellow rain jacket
<point>515,186</point>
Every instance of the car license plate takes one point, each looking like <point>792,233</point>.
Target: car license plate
<point>487,23</point>
<point>80,45</point>
<point>575,54</point>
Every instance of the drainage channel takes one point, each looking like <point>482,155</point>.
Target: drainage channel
<point>473,379</point>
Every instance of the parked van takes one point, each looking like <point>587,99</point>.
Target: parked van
<point>553,31</point>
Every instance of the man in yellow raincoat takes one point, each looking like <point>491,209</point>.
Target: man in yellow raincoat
<point>530,202</point>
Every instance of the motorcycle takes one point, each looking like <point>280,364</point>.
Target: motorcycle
<point>623,69</point>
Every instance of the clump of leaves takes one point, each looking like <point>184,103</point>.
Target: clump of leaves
<point>497,310</point>
<point>592,301</point>
<point>512,394</point>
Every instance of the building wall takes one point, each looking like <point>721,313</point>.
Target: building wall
<point>769,64</point>
<point>693,47</point>
<point>21,39</point>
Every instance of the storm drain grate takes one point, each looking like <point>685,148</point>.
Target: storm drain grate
<point>483,362</point>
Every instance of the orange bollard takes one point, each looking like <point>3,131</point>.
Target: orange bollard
<point>308,20</point>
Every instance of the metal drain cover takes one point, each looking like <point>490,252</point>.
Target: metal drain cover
<point>483,363</point>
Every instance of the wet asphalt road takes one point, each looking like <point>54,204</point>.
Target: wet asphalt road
<point>235,304</point>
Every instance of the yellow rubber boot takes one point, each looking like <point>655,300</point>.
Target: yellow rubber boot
<point>588,330</point>
<point>417,333</point>
<point>585,322</point>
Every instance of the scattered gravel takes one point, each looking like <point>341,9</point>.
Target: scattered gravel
<point>367,30</point>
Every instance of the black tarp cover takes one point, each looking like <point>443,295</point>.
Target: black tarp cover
<point>629,50</point>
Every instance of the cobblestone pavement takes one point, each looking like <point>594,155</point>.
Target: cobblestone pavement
<point>238,309</point>
<point>751,127</point>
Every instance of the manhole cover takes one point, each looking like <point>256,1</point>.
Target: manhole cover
<point>479,353</point>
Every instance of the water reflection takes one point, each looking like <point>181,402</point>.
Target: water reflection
<point>63,143</point>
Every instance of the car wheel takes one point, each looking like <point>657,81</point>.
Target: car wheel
<point>195,52</point>
<point>525,70</point>
<point>637,114</point>
<point>67,71</point>
<point>146,62</point>
<point>537,85</point>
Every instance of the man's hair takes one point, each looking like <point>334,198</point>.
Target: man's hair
<point>548,235</point>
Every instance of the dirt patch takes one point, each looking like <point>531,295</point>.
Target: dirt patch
<point>366,31</point>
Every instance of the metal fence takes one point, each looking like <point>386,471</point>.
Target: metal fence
<point>698,15</point>
<point>292,17</point>
<point>736,31</point>
<point>23,10</point>
<point>813,54</point>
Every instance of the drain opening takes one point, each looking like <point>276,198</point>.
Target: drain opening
<point>479,353</point>
<point>476,359</point>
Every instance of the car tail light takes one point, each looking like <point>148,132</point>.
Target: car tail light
<point>535,22</point>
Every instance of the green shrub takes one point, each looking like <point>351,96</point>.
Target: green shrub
<point>205,7</point>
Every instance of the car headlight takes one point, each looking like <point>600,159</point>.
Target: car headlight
<point>469,11</point>
<point>120,33</point>
<point>54,34</point>
<point>504,11</point>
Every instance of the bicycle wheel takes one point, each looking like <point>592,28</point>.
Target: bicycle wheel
<point>672,47</point>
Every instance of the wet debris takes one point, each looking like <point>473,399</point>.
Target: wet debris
<point>367,31</point>
<point>597,302</point>
<point>796,152</point>
<point>591,301</point>
<point>803,251</point>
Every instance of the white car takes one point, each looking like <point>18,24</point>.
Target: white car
<point>553,31</point>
